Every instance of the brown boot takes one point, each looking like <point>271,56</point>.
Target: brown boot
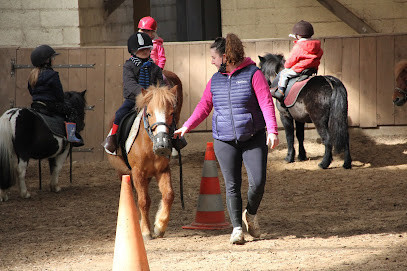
<point>110,143</point>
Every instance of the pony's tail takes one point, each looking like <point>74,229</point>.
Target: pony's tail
<point>7,157</point>
<point>338,115</point>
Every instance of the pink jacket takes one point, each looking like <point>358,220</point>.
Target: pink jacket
<point>304,55</point>
<point>158,53</point>
<point>261,89</point>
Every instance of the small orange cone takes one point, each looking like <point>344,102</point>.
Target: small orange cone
<point>129,250</point>
<point>210,214</point>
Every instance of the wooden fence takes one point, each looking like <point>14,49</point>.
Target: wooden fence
<point>364,64</point>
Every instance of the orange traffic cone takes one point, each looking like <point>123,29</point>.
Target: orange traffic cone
<point>129,250</point>
<point>210,214</point>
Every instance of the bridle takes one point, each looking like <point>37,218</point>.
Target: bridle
<point>162,142</point>
<point>150,128</point>
<point>401,91</point>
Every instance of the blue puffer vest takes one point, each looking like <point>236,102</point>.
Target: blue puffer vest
<point>237,114</point>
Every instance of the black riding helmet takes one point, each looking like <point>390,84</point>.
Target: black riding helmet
<point>42,54</point>
<point>303,29</point>
<point>139,41</point>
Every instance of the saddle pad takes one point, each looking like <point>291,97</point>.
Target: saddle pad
<point>293,92</point>
<point>55,123</point>
<point>133,131</point>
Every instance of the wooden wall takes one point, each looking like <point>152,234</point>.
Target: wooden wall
<point>364,64</point>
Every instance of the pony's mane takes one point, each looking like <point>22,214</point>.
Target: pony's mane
<point>158,96</point>
<point>400,66</point>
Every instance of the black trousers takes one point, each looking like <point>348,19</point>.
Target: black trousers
<point>231,155</point>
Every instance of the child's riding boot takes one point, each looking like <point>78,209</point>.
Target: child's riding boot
<point>110,143</point>
<point>279,94</point>
<point>71,134</point>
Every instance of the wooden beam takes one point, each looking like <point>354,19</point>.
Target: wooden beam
<point>141,8</point>
<point>111,5</point>
<point>347,16</point>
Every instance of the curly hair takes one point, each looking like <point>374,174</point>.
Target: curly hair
<point>234,49</point>
<point>231,46</point>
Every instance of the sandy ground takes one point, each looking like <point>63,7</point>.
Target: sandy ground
<point>311,219</point>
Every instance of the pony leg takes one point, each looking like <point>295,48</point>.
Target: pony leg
<point>299,128</point>
<point>347,164</point>
<point>144,202</point>
<point>288,124</point>
<point>163,213</point>
<point>327,159</point>
<point>55,166</point>
<point>3,195</point>
<point>21,171</point>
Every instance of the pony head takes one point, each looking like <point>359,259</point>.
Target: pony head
<point>271,65</point>
<point>159,105</point>
<point>400,91</point>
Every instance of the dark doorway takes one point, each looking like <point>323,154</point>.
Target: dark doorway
<point>198,20</point>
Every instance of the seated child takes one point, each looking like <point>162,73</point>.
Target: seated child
<point>149,26</point>
<point>139,72</point>
<point>46,90</point>
<point>306,54</point>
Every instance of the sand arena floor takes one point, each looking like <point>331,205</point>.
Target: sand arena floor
<point>311,219</point>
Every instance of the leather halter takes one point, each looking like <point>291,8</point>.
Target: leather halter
<point>401,91</point>
<point>150,128</point>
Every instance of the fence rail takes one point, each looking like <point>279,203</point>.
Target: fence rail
<point>365,65</point>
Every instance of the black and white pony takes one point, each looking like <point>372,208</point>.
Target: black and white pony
<point>24,136</point>
<point>324,102</point>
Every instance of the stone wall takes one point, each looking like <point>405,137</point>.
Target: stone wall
<point>275,18</point>
<point>29,23</point>
<point>96,29</point>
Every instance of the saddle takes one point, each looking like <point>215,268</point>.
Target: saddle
<point>128,130</point>
<point>294,86</point>
<point>55,123</point>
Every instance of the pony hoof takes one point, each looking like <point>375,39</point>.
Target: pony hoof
<point>347,166</point>
<point>289,160</point>
<point>26,195</point>
<point>3,198</point>
<point>147,237</point>
<point>55,189</point>
<point>302,158</point>
<point>323,166</point>
<point>159,233</point>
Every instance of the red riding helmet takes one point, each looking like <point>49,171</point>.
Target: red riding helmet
<point>147,23</point>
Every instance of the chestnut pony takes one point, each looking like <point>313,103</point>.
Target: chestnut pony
<point>149,156</point>
<point>400,91</point>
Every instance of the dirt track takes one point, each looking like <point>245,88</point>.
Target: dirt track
<point>311,219</point>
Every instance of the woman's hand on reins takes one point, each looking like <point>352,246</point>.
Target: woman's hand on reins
<point>273,139</point>
<point>180,132</point>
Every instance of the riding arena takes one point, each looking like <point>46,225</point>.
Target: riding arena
<point>342,215</point>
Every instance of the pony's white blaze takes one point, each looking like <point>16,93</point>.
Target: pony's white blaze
<point>160,117</point>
